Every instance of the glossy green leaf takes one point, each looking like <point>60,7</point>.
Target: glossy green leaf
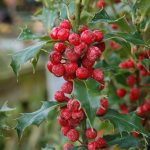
<point>102,16</point>
<point>35,118</point>
<point>88,95</point>
<point>124,141</point>
<point>146,64</point>
<point>125,123</point>
<point>25,55</point>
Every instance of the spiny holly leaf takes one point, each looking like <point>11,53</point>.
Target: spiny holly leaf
<point>133,38</point>
<point>35,118</point>
<point>25,55</point>
<point>124,141</point>
<point>125,123</point>
<point>5,108</point>
<point>88,94</point>
<point>102,16</point>
<point>78,148</point>
<point>27,34</point>
<point>146,64</point>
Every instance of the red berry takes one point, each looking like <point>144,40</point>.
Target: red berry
<point>101,111</point>
<point>145,107</point>
<point>49,66</point>
<point>101,143</point>
<point>124,109</point>
<point>139,66</point>
<point>101,46</point>
<point>82,73</point>
<point>104,102</point>
<point>74,39</point>
<point>102,85</point>
<point>65,114</point>
<point>83,28</point>
<point>98,35</point>
<point>69,77</point>
<point>63,34</point>
<point>87,63</point>
<point>130,63</point>
<point>67,87</point>
<point>58,70</point>
<point>59,96</point>
<point>98,75</point>
<point>93,53</point>
<point>134,133</point>
<point>131,80</point>
<point>101,4</point>
<point>73,122</point>
<point>134,94</point>
<point>60,47</point>
<point>80,49</point>
<point>62,121</point>
<point>91,133</point>
<point>54,32</point>
<point>71,55</point>
<point>65,130</point>
<point>73,105</point>
<point>73,135</point>
<point>78,114</point>
<point>114,26</point>
<point>55,57</point>
<point>71,68</point>
<point>67,146</point>
<point>65,24</point>
<point>121,92</point>
<point>87,37</point>
<point>92,145</point>
<point>114,45</point>
<point>140,112</point>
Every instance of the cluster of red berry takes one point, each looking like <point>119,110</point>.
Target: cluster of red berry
<point>73,57</point>
<point>143,109</point>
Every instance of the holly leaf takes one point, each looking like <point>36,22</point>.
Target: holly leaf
<point>125,123</point>
<point>146,64</point>
<point>78,148</point>
<point>24,56</point>
<point>5,108</point>
<point>124,141</point>
<point>35,118</point>
<point>88,94</point>
<point>102,16</point>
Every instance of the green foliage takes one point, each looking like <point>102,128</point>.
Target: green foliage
<point>146,64</point>
<point>5,108</point>
<point>48,147</point>
<point>35,118</point>
<point>78,148</point>
<point>25,55</point>
<point>125,123</point>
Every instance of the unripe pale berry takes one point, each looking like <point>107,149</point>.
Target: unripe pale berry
<point>65,24</point>
<point>55,57</point>
<point>58,70</point>
<point>63,34</point>
<point>82,73</point>
<point>73,135</point>
<point>121,92</point>
<point>60,47</point>
<point>74,39</point>
<point>91,133</point>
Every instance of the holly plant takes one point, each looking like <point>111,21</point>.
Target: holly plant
<point>101,50</point>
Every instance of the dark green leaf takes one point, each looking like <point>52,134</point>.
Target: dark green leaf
<point>35,118</point>
<point>88,95</point>
<point>25,55</point>
<point>78,148</point>
<point>102,16</point>
<point>124,141</point>
<point>146,64</point>
<point>125,123</point>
